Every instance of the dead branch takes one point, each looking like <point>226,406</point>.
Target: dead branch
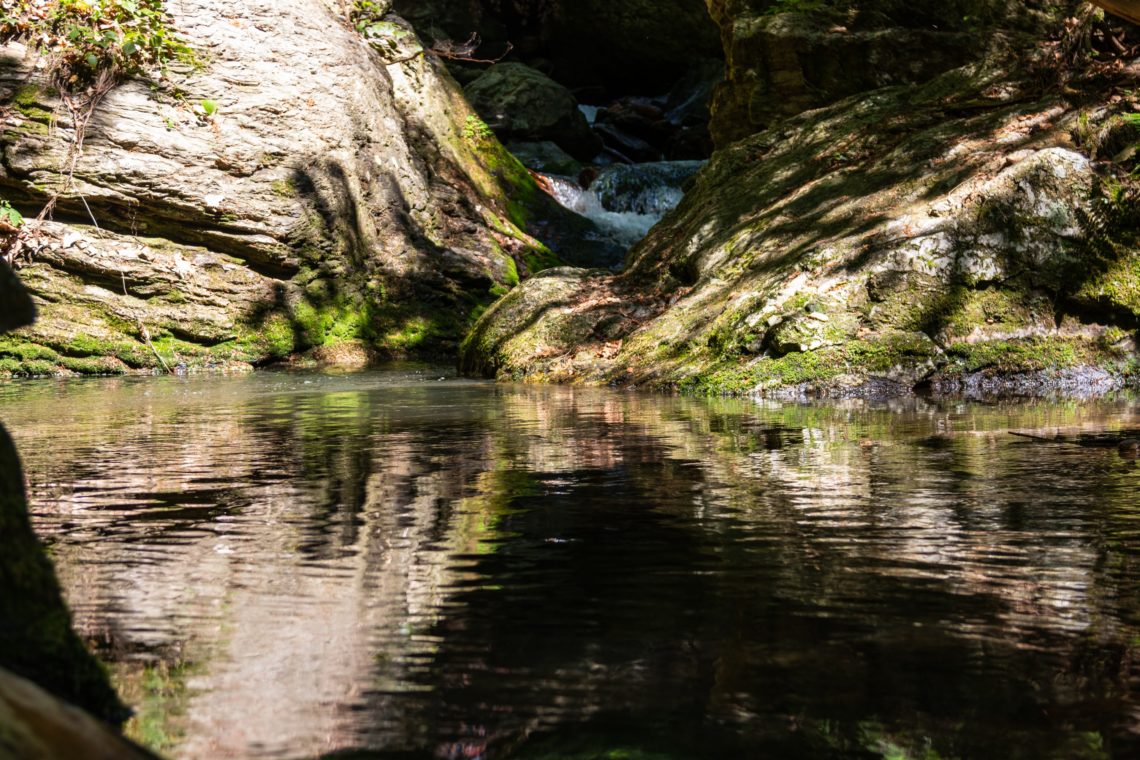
<point>464,51</point>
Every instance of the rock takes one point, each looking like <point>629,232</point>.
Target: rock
<point>545,157</point>
<point>330,156</point>
<point>520,103</point>
<point>36,726</point>
<point>630,46</point>
<point>781,64</point>
<point>626,147</point>
<point>938,254</point>
<point>36,640</point>
<point>688,102</point>
<point>649,188</point>
<point>16,307</point>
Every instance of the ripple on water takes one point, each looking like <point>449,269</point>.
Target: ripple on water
<point>291,565</point>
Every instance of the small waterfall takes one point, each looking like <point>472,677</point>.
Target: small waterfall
<point>626,200</point>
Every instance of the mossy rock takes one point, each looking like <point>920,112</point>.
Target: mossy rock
<point>521,103</point>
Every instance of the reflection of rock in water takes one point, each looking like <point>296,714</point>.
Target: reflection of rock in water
<point>451,568</point>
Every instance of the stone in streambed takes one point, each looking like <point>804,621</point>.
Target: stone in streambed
<point>523,104</point>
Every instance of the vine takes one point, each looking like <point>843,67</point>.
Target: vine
<point>90,46</point>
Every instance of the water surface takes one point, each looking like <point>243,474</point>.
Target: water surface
<point>397,564</point>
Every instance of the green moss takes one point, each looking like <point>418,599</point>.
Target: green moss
<point>285,188</point>
<point>92,365</point>
<point>26,351</point>
<point>160,694</point>
<point>1020,355</point>
<point>27,100</point>
<point>1118,287</point>
<point>270,337</point>
<point>991,307</point>
<point>412,333</point>
<point>323,324</point>
<point>510,176</point>
<point>174,296</point>
<point>133,353</point>
<point>512,272</point>
<point>40,368</point>
<point>856,357</point>
<point>538,259</point>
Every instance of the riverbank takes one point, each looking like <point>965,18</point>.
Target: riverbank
<point>976,232</point>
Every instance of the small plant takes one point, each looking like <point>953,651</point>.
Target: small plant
<point>367,12</point>
<point>84,39</point>
<point>10,216</point>
<point>207,109</point>
<point>11,232</point>
<point>476,130</point>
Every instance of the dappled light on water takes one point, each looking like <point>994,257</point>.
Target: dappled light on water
<point>296,565</point>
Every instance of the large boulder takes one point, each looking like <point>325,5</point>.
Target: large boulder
<point>906,236</point>
<point>34,725</point>
<point>521,103</point>
<point>782,61</point>
<point>335,192</point>
<point>615,47</point>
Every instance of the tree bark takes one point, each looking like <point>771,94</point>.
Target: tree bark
<point>1126,9</point>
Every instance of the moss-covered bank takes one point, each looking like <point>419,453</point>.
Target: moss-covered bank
<point>967,233</point>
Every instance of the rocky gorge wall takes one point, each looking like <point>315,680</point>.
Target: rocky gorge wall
<point>955,217</point>
<point>307,186</point>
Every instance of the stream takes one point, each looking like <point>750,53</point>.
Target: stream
<point>401,563</point>
<point>626,200</point>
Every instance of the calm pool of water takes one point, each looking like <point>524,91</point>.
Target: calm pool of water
<point>396,564</point>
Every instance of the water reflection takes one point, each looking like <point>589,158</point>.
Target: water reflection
<point>291,566</point>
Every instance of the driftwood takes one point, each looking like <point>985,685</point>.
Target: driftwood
<point>1126,9</point>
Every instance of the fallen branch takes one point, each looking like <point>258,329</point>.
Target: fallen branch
<point>464,51</point>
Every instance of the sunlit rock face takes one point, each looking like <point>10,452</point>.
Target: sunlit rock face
<point>910,235</point>
<point>335,190</point>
